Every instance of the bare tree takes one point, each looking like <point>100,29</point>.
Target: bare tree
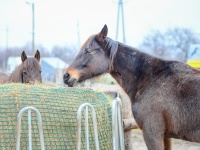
<point>154,43</point>
<point>66,53</point>
<point>16,51</point>
<point>182,39</point>
<point>13,51</point>
<point>28,49</point>
<point>171,42</point>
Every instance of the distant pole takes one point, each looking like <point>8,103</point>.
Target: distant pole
<point>120,9</point>
<point>33,28</point>
<point>78,32</point>
<point>7,37</point>
<point>33,25</point>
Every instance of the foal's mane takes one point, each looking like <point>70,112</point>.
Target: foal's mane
<point>113,46</point>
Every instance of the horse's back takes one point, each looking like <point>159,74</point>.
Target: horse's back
<point>182,83</point>
<point>186,80</point>
<point>184,68</point>
<point>4,77</point>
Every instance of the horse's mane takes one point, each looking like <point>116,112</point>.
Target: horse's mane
<point>113,46</point>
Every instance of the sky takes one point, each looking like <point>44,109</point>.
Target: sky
<point>71,22</point>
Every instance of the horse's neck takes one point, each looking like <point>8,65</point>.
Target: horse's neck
<point>16,75</point>
<point>132,67</point>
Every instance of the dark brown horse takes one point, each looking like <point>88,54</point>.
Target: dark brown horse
<point>27,72</point>
<point>165,95</point>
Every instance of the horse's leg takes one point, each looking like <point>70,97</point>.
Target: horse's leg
<point>153,132</point>
<point>167,143</point>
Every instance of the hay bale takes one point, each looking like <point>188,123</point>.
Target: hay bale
<point>58,107</point>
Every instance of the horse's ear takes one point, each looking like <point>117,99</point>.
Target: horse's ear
<point>37,55</point>
<point>103,34</point>
<point>23,56</point>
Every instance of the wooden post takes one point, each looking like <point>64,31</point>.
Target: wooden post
<point>128,120</point>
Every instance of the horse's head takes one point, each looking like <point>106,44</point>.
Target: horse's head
<point>31,70</point>
<point>92,60</point>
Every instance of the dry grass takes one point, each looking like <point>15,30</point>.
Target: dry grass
<point>139,144</point>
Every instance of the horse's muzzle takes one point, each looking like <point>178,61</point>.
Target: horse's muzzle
<point>69,81</point>
<point>66,77</point>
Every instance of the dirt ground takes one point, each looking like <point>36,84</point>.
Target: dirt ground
<point>139,144</point>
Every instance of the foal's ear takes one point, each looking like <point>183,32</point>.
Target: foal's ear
<point>103,34</point>
<point>23,56</point>
<point>37,55</point>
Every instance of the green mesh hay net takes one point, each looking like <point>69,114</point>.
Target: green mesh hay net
<point>58,107</point>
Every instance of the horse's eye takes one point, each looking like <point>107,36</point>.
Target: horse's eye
<point>84,66</point>
<point>89,51</point>
<point>40,71</point>
<point>24,72</point>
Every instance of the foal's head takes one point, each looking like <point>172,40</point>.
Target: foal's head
<point>92,60</point>
<point>30,68</point>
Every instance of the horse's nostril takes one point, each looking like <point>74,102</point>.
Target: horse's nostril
<point>66,76</point>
